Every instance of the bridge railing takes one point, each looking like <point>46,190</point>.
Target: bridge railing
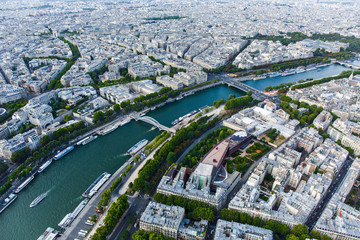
<point>153,122</point>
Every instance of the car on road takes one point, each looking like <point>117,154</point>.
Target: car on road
<point>90,223</point>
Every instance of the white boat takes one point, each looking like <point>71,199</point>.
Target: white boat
<point>274,75</point>
<point>125,122</point>
<point>38,200</point>
<point>95,186</point>
<point>259,77</point>
<point>89,139</point>
<point>107,130</point>
<point>137,147</point>
<point>79,208</point>
<point>82,140</point>
<point>44,166</point>
<point>188,94</point>
<point>65,222</point>
<point>24,184</point>
<point>70,217</point>
<point>300,71</point>
<point>49,234</point>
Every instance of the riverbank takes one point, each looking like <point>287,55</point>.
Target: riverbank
<point>319,73</point>
<point>122,190</point>
<point>90,209</point>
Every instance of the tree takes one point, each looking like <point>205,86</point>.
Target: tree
<point>285,98</point>
<point>299,230</point>
<point>68,118</point>
<point>249,93</point>
<point>140,235</point>
<point>109,113</point>
<point>136,158</point>
<point>258,221</point>
<point>117,108</point>
<point>98,116</point>
<point>156,236</point>
<point>44,140</point>
<point>94,218</point>
<point>291,237</point>
<point>171,157</point>
<point>203,213</point>
<point>304,237</point>
<point>21,155</point>
<point>3,167</point>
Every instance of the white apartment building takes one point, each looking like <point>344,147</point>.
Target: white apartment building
<point>163,219</point>
<point>232,230</point>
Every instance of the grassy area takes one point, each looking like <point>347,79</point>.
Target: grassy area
<point>353,199</point>
<point>257,150</point>
<point>11,108</point>
<point>156,142</point>
<point>240,164</point>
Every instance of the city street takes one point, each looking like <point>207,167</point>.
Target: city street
<point>137,206</point>
<point>329,193</point>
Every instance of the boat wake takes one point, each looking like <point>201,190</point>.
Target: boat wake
<point>50,190</point>
<point>151,129</point>
<point>77,199</point>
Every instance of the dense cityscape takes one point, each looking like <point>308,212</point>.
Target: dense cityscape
<point>180,119</point>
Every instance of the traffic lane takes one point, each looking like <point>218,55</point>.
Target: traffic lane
<point>329,193</point>
<point>138,206</point>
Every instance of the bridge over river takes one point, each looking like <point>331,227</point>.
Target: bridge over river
<point>350,65</point>
<point>153,122</point>
<point>243,87</point>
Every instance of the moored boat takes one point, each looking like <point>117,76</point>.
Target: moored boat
<point>24,184</point>
<point>44,166</point>
<point>95,186</point>
<point>137,147</point>
<point>125,122</point>
<point>7,201</point>
<point>90,139</point>
<point>63,152</point>
<point>107,130</point>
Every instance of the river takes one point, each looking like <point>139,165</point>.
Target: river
<point>327,71</point>
<point>66,179</point>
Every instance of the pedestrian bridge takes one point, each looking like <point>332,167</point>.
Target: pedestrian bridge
<point>153,122</point>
